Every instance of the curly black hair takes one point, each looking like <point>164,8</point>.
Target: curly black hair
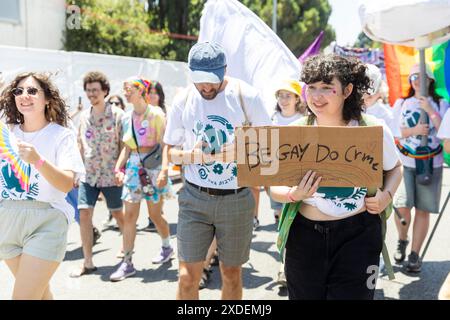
<point>347,70</point>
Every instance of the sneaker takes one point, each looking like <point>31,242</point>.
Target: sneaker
<point>400,254</point>
<point>97,235</point>
<point>205,280</point>
<point>151,226</point>
<point>414,262</point>
<point>125,270</point>
<point>281,280</point>
<point>255,223</point>
<point>163,256</point>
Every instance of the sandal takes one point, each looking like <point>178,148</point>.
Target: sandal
<point>82,271</point>
<point>206,278</point>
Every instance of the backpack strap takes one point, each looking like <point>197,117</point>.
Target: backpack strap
<point>367,121</point>
<point>246,123</point>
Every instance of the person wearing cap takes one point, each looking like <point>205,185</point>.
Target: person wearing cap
<point>373,103</point>
<point>424,198</point>
<point>202,120</point>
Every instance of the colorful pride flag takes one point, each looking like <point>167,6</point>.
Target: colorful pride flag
<point>400,59</point>
<point>20,168</point>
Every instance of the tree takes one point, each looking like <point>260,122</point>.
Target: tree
<point>119,27</point>
<point>364,41</point>
<point>299,22</point>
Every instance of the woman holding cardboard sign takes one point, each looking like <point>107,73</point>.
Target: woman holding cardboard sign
<point>333,236</point>
<point>144,176</point>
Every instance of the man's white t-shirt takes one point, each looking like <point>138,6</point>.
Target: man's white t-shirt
<point>56,144</point>
<point>345,201</point>
<point>193,119</point>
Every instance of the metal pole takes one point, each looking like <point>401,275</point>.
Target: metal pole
<point>274,16</point>
<point>423,92</point>
<point>435,227</point>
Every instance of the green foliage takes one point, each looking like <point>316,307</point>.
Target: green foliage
<point>299,22</point>
<point>364,41</point>
<point>124,27</point>
<point>115,27</point>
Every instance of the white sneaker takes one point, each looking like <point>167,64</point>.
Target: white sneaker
<point>255,223</point>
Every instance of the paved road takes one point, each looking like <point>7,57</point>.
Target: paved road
<point>160,281</point>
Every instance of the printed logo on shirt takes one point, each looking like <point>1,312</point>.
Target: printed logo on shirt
<point>343,198</point>
<point>216,132</point>
<point>10,185</point>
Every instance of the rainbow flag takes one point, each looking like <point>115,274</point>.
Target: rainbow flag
<point>399,60</point>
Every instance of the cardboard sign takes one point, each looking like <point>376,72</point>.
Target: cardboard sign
<point>281,156</point>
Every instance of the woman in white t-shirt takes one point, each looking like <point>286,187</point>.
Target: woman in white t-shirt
<point>424,198</point>
<point>334,241</point>
<point>34,215</point>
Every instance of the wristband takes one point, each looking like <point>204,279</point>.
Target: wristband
<point>435,115</point>
<point>120,170</point>
<point>39,163</point>
<point>290,197</point>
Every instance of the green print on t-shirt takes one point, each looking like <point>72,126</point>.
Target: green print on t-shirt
<point>214,134</point>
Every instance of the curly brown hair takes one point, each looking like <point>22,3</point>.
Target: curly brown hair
<point>97,76</point>
<point>347,70</point>
<point>55,110</point>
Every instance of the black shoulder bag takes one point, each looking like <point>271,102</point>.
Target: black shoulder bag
<point>154,159</point>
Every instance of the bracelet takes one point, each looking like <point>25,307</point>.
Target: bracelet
<point>435,115</point>
<point>290,197</point>
<point>39,163</point>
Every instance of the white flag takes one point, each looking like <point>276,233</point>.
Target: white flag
<point>254,52</point>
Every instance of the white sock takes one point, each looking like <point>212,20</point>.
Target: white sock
<point>166,242</point>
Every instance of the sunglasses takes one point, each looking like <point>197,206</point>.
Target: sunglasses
<point>414,77</point>
<point>31,91</point>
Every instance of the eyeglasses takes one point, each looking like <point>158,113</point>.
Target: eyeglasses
<point>286,96</point>
<point>31,91</point>
<point>92,90</point>
<point>325,92</point>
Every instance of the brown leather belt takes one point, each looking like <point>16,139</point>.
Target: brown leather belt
<point>216,192</point>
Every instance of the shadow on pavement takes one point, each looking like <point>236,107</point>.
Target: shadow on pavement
<point>263,247</point>
<point>77,254</point>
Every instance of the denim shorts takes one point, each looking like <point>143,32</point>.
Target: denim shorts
<point>132,187</point>
<point>88,195</point>
<point>412,194</point>
<point>203,216</point>
<point>33,228</point>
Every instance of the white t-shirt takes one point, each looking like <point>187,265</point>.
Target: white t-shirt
<point>381,111</point>
<point>279,120</point>
<point>56,144</point>
<point>444,129</point>
<point>192,119</point>
<point>345,201</point>
<point>406,115</point>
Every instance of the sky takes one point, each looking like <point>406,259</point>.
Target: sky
<point>345,21</point>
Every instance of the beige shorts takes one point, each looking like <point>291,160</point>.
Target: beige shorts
<point>33,228</point>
